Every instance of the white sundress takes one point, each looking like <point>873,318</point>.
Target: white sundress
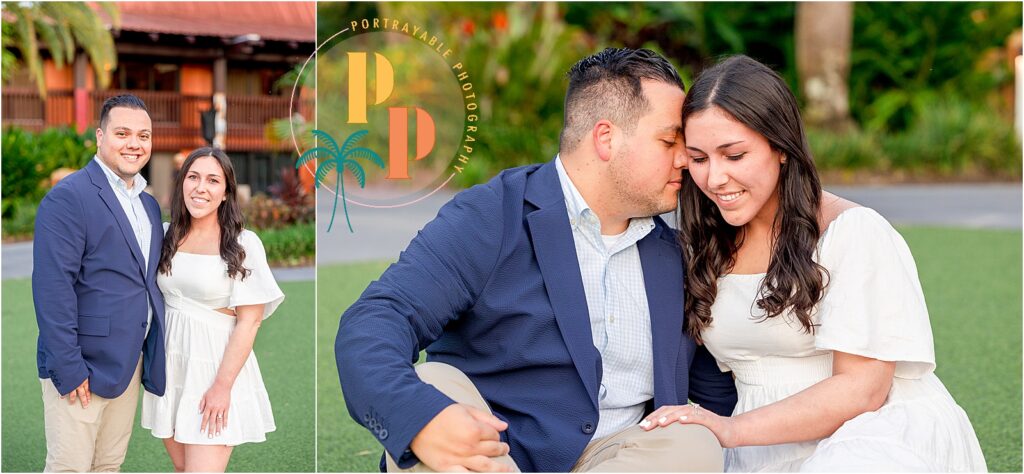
<point>874,307</point>
<point>195,339</point>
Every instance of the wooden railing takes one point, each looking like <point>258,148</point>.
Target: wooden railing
<point>249,116</point>
<point>176,123</point>
<point>176,117</point>
<point>26,109</point>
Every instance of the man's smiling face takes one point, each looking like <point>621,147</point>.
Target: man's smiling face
<point>125,143</point>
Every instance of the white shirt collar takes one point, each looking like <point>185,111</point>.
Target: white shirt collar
<point>580,213</point>
<point>117,183</point>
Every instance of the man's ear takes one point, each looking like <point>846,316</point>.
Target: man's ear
<point>99,136</point>
<point>602,135</point>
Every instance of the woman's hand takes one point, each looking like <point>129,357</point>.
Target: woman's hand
<point>214,407</point>
<point>723,427</point>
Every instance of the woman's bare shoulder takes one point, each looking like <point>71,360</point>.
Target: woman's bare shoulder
<point>831,207</point>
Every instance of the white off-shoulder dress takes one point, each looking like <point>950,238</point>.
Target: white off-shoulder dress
<point>195,340</point>
<point>873,306</point>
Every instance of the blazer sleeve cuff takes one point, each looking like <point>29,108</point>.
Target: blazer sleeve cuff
<point>68,378</point>
<point>398,444</point>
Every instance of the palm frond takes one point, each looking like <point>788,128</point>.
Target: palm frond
<point>357,171</point>
<point>323,170</point>
<point>25,31</point>
<point>352,139</point>
<point>48,33</point>
<point>367,154</point>
<point>311,154</point>
<point>93,37</point>
<point>110,8</point>
<point>326,138</point>
<point>68,39</point>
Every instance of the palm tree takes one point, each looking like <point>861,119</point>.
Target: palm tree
<point>62,28</point>
<point>338,160</point>
<point>824,32</point>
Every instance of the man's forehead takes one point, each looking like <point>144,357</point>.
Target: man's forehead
<point>128,114</point>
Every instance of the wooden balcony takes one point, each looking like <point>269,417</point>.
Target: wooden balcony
<point>176,117</point>
<point>24,108</point>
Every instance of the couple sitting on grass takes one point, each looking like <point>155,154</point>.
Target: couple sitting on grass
<point>120,299</point>
<point>568,328</point>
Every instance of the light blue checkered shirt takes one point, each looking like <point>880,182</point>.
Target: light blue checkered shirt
<point>620,320</point>
<point>131,203</point>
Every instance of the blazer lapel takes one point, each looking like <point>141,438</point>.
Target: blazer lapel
<point>663,280</point>
<point>555,250</point>
<point>107,195</point>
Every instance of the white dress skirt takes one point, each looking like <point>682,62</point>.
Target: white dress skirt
<point>195,339</point>
<point>874,307</point>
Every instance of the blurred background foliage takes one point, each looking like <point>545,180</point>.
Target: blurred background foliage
<point>930,84</point>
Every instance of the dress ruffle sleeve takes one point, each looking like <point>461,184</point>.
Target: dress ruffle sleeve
<point>259,287</point>
<point>873,305</point>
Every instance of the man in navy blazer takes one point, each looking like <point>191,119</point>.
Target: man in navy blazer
<point>550,304</point>
<point>100,314</point>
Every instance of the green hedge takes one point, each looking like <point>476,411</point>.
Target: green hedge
<point>948,137</point>
<point>30,158</point>
<point>294,245</point>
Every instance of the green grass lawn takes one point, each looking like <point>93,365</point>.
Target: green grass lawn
<point>283,348</point>
<point>972,282</point>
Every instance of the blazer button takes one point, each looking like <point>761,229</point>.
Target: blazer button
<point>383,434</point>
<point>366,418</point>
<point>143,324</point>
<point>588,427</point>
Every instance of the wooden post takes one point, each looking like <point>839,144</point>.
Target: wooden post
<point>82,104</point>
<point>220,81</point>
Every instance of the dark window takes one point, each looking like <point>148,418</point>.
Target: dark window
<point>258,169</point>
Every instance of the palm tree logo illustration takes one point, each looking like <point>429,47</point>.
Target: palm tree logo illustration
<point>338,160</point>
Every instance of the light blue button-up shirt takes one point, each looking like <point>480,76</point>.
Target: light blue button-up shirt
<point>620,320</point>
<point>131,203</point>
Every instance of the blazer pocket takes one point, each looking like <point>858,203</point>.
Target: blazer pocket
<point>94,325</point>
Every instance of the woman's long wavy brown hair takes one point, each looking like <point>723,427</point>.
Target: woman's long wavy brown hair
<point>757,97</point>
<point>229,216</point>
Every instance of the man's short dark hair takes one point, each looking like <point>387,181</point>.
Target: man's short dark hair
<point>607,85</point>
<point>125,100</point>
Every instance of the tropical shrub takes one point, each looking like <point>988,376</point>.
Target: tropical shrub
<point>29,159</point>
<point>291,245</point>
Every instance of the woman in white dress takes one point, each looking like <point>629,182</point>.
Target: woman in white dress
<point>217,288</point>
<point>812,302</point>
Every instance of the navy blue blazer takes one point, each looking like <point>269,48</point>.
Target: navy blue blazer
<point>492,286</point>
<point>89,286</point>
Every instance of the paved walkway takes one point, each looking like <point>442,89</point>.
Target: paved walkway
<point>17,263</point>
<point>381,234</point>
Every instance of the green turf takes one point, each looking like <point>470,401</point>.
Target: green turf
<point>972,282</point>
<point>285,354</point>
<point>342,445</point>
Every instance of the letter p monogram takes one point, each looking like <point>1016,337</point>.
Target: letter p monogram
<point>357,93</point>
<point>398,117</point>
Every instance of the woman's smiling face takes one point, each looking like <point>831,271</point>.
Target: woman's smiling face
<point>204,187</point>
<point>733,166</point>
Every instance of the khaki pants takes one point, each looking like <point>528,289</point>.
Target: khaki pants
<point>674,448</point>
<point>92,439</point>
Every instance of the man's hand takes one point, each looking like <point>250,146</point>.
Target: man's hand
<point>83,394</point>
<point>460,439</point>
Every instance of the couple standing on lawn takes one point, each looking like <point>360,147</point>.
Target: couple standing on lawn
<point>560,335</point>
<point>120,298</point>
